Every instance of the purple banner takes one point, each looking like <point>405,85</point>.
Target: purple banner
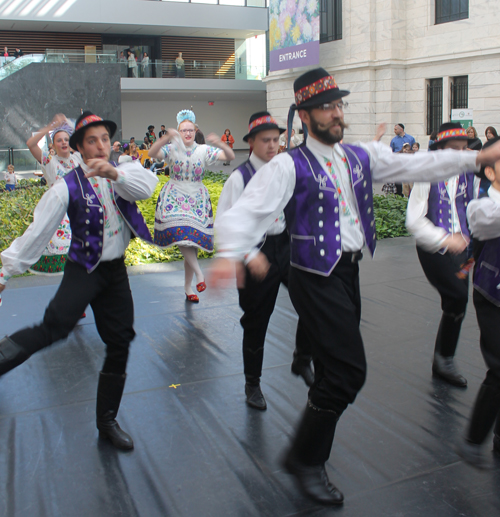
<point>294,57</point>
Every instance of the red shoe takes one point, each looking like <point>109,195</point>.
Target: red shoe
<point>193,298</point>
<point>201,287</point>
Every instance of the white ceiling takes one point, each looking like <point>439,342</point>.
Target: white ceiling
<point>106,28</point>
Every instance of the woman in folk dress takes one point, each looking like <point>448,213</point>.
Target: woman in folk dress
<point>184,212</point>
<point>55,167</point>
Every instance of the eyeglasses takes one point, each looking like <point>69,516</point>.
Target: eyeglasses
<point>187,131</point>
<point>330,106</point>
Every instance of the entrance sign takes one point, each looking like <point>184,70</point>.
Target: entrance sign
<point>293,33</point>
<point>463,117</point>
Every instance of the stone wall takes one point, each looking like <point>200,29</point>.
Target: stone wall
<point>30,97</point>
<point>389,49</point>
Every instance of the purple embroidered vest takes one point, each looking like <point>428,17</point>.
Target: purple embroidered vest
<point>312,213</point>
<point>439,209</point>
<point>247,171</point>
<point>487,271</point>
<point>86,217</point>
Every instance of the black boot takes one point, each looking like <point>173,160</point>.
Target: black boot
<point>483,417</point>
<point>444,350</point>
<point>254,396</point>
<point>109,395</point>
<point>301,366</point>
<point>11,355</point>
<point>310,450</point>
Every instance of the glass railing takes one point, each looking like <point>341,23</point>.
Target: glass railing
<point>11,66</point>
<point>22,159</point>
<point>162,68</point>
<point>151,69</point>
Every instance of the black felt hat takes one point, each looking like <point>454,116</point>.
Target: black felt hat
<point>487,144</point>
<point>261,121</point>
<point>316,87</point>
<point>450,131</point>
<point>85,120</point>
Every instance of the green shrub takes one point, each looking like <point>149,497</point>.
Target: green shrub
<point>16,209</point>
<point>390,216</point>
<point>16,214</point>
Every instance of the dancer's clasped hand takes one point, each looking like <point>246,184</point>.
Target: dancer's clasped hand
<point>102,168</point>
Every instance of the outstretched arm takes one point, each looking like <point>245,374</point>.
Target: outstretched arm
<point>28,248</point>
<point>32,142</point>
<point>155,150</point>
<point>131,180</point>
<point>213,140</point>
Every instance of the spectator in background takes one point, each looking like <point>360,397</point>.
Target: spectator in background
<point>146,71</point>
<point>132,140</point>
<point>490,133</point>
<point>132,64</point>
<point>228,139</point>
<point>6,52</point>
<point>145,144</point>
<point>432,139</point>
<point>18,53</point>
<point>10,178</point>
<point>115,152</point>
<point>400,138</point>
<point>199,137</point>
<point>163,131</point>
<point>179,66</point>
<point>151,132</point>
<point>415,147</point>
<point>125,157</point>
<point>134,153</point>
<point>474,143</point>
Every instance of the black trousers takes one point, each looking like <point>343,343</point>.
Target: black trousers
<point>441,272</point>
<point>329,309</point>
<point>488,319</point>
<point>107,291</point>
<point>258,299</point>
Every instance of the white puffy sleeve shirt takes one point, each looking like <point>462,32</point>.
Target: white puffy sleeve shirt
<point>133,183</point>
<point>240,228</point>
<point>484,216</point>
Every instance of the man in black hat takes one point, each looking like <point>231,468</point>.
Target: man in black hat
<point>100,202</point>
<point>326,192</point>
<point>437,217</point>
<point>258,296</point>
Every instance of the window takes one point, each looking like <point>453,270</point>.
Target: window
<point>434,105</point>
<point>459,95</point>
<point>330,19</point>
<point>451,10</point>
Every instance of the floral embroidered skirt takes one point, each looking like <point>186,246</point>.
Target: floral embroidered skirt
<point>184,216</point>
<point>55,254</point>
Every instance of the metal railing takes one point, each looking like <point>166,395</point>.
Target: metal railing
<point>22,159</point>
<point>195,69</point>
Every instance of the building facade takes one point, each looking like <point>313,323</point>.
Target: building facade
<point>408,61</point>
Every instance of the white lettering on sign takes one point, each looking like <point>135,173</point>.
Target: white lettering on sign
<point>289,56</point>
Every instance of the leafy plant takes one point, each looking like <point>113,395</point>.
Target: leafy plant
<point>390,216</point>
<point>17,207</point>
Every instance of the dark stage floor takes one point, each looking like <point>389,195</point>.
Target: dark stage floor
<point>199,451</point>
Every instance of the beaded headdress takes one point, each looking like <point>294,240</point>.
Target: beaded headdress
<point>185,115</point>
<point>67,128</point>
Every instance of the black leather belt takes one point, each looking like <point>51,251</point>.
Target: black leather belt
<point>351,256</point>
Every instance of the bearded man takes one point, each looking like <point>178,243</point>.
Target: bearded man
<point>325,190</point>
